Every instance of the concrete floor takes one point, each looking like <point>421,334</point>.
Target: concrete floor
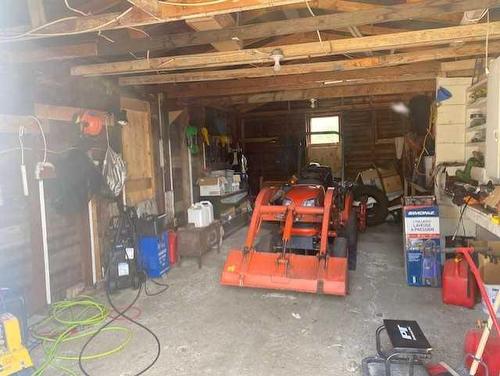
<point>207,329</point>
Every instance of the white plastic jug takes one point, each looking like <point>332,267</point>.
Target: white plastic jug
<point>208,211</point>
<point>196,215</point>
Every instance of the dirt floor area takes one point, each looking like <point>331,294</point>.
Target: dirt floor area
<point>208,329</point>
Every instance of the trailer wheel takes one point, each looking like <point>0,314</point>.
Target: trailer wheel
<point>377,212</point>
<point>339,248</point>
<point>350,232</point>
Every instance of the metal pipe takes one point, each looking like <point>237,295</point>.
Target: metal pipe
<point>45,244</point>
<point>92,240</point>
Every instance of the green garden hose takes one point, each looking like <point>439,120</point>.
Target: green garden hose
<point>74,320</point>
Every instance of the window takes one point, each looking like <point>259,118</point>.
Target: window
<point>325,130</point>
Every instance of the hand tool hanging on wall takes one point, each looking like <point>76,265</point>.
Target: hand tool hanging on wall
<point>192,139</point>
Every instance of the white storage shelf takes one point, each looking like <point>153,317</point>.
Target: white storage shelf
<point>450,121</point>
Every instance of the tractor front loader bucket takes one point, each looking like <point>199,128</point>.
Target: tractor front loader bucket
<point>284,270</point>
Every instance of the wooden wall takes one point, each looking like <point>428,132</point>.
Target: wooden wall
<point>275,159</point>
<point>367,138</point>
<point>68,235</point>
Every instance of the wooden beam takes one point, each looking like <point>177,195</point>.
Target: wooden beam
<point>36,10</point>
<point>369,103</point>
<point>98,6</point>
<point>460,65</point>
<point>296,51</point>
<point>293,82</point>
<point>12,123</point>
<point>33,55</point>
<point>64,113</point>
<point>307,24</point>
<point>329,66</point>
<point>151,7</point>
<point>216,23</point>
<point>332,92</point>
<point>137,17</point>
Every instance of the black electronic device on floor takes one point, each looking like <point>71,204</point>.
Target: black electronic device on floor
<point>121,257</point>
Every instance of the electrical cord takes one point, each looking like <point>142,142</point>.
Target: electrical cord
<point>164,288</point>
<point>33,32</point>
<point>121,313</point>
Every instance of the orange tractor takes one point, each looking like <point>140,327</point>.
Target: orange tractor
<point>313,243</point>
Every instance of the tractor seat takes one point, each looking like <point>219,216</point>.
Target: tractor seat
<point>409,348</point>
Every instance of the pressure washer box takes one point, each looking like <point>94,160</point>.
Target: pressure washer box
<point>422,241</point>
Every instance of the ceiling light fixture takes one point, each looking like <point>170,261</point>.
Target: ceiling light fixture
<point>277,56</point>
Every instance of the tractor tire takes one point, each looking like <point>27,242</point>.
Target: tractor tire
<point>339,248</point>
<point>350,232</point>
<point>376,214</point>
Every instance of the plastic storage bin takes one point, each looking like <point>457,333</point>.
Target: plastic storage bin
<point>154,255</point>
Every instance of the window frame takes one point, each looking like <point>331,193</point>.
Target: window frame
<point>309,133</point>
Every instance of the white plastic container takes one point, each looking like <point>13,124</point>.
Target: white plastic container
<point>196,216</point>
<point>208,211</point>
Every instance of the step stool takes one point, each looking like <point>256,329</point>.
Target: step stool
<point>409,347</point>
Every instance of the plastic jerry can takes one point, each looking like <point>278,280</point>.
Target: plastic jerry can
<point>491,355</point>
<point>459,287</point>
<point>208,211</point>
<point>196,216</point>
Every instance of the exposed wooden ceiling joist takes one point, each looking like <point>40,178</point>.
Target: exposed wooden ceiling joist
<point>381,101</point>
<point>419,38</point>
<point>36,11</point>
<point>330,92</point>
<point>216,23</point>
<point>308,24</point>
<point>330,66</point>
<point>136,17</point>
<point>257,85</point>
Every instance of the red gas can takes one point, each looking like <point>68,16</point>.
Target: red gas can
<point>491,355</point>
<point>172,247</point>
<point>459,287</point>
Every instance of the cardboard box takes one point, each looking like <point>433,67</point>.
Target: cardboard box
<point>492,291</point>
<point>488,262</point>
<point>390,179</point>
<point>422,242</point>
<point>213,186</point>
<point>393,184</point>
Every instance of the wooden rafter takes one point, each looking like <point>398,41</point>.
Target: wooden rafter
<point>311,80</point>
<point>137,17</point>
<point>308,24</point>
<point>331,92</point>
<point>36,11</point>
<point>467,50</point>
<point>296,51</point>
<point>216,23</point>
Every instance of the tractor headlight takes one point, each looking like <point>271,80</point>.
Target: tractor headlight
<point>286,201</point>
<point>311,202</point>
